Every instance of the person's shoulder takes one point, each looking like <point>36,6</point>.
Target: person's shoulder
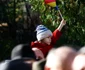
<point>3,64</point>
<point>34,43</point>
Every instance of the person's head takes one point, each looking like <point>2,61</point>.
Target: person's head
<point>82,50</point>
<point>19,64</point>
<point>22,51</point>
<point>43,34</point>
<point>79,62</point>
<point>60,58</point>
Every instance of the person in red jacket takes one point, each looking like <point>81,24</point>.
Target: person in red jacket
<point>46,39</point>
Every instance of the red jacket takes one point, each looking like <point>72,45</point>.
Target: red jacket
<point>44,47</point>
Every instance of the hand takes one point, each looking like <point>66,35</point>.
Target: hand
<point>63,22</point>
<point>38,53</point>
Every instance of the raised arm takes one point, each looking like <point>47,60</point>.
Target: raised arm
<point>63,22</point>
<point>57,32</point>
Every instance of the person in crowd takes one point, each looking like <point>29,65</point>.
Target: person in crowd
<point>18,64</point>
<point>60,58</point>
<point>82,50</point>
<point>22,58</point>
<point>22,51</point>
<point>79,62</point>
<point>46,39</point>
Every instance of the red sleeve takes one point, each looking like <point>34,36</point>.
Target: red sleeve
<point>56,36</point>
<point>32,43</point>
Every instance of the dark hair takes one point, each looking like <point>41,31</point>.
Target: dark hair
<point>22,51</point>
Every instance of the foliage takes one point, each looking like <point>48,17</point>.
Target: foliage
<point>73,12</point>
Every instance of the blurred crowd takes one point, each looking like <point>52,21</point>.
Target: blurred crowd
<point>62,58</point>
<point>41,54</point>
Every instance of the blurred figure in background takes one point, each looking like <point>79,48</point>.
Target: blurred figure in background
<point>22,51</point>
<point>79,62</point>
<point>19,64</point>
<point>60,58</point>
<point>82,50</point>
<point>22,57</point>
